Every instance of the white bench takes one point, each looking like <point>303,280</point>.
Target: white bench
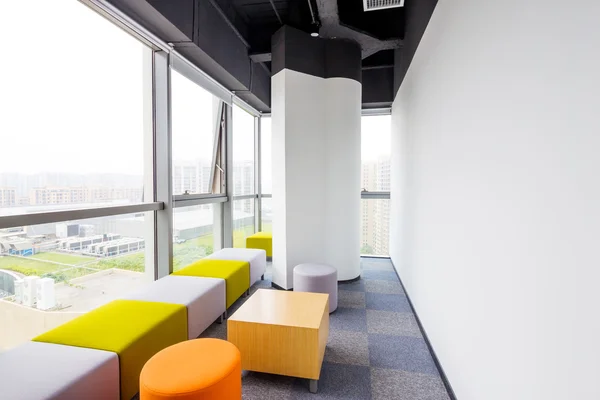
<point>203,297</point>
<point>256,257</point>
<point>46,371</point>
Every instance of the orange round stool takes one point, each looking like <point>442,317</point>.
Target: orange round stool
<point>199,369</point>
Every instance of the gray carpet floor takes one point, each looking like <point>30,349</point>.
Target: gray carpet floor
<point>375,348</point>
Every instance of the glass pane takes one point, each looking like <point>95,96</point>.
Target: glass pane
<point>193,234</point>
<point>72,122</point>
<point>194,115</point>
<point>265,153</point>
<point>88,262</point>
<point>376,141</point>
<point>375,227</point>
<point>243,152</point>
<point>267,214</point>
<point>243,221</point>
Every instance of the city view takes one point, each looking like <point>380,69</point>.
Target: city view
<point>375,177</point>
<point>84,141</point>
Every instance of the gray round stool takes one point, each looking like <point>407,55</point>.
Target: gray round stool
<point>317,278</point>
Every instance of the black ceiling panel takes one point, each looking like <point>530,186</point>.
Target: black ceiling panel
<point>381,24</point>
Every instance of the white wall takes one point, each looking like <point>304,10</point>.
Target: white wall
<point>316,174</point>
<point>496,196</point>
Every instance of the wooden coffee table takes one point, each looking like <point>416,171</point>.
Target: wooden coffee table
<point>281,332</point>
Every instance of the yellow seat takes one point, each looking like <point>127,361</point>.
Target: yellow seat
<point>261,240</point>
<point>135,330</point>
<point>235,273</point>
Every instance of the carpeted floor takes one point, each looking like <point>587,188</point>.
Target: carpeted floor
<point>375,349</point>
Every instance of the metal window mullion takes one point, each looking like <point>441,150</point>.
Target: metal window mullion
<point>245,196</point>
<point>12,221</point>
<point>369,112</point>
<point>227,209</point>
<point>163,164</point>
<point>374,195</point>
<point>150,247</point>
<point>186,197</point>
<point>201,201</point>
<point>216,142</point>
<point>257,175</point>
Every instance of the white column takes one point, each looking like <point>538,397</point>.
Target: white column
<point>316,170</point>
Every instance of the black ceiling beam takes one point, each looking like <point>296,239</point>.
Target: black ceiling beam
<point>229,23</point>
<point>205,36</point>
<point>260,57</point>
<point>276,12</point>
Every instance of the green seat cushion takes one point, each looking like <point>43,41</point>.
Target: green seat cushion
<point>261,240</point>
<point>235,273</point>
<point>135,330</point>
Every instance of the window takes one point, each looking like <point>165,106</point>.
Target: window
<point>265,152</point>
<point>193,234</point>
<point>243,221</point>
<point>89,263</point>
<point>76,134</point>
<point>195,113</point>
<point>72,127</point>
<point>375,227</point>
<point>243,152</point>
<point>375,184</point>
<point>267,214</point>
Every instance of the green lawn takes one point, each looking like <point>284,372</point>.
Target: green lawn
<point>63,258</point>
<point>267,227</point>
<point>183,254</point>
<point>28,266</point>
<point>240,235</point>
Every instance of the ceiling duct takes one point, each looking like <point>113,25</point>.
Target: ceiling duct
<point>372,5</point>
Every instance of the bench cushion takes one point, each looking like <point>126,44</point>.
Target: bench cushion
<point>135,330</point>
<point>235,273</point>
<point>44,371</point>
<point>256,257</point>
<point>203,297</point>
<point>261,240</point>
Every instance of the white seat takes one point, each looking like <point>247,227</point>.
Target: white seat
<point>46,371</point>
<point>317,278</point>
<point>256,257</point>
<point>203,297</point>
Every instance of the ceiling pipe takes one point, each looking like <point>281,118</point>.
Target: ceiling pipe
<point>276,12</point>
<point>312,14</point>
<point>332,28</point>
<point>229,23</point>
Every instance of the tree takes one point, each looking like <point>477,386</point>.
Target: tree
<point>366,249</point>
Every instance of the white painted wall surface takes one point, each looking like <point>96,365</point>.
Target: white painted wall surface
<point>316,174</point>
<point>342,174</point>
<point>496,196</point>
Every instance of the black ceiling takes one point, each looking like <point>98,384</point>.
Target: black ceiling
<point>262,18</point>
<point>382,24</point>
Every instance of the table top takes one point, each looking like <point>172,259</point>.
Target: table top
<point>279,307</point>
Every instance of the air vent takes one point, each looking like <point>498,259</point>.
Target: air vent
<point>372,5</point>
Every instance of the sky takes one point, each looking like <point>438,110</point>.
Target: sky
<point>70,91</point>
<point>74,102</point>
<point>376,137</point>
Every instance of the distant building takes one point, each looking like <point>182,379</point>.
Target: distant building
<point>375,231</point>
<point>243,184</point>
<point>72,195</point>
<point>191,177</point>
<point>8,197</point>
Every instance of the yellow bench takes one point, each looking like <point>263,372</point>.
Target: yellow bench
<point>235,273</point>
<point>261,240</point>
<point>135,330</point>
